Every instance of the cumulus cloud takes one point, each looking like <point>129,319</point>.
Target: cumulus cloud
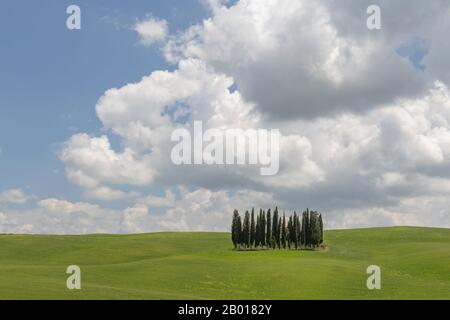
<point>60,216</point>
<point>10,226</point>
<point>14,196</point>
<point>159,202</point>
<point>200,210</point>
<point>151,30</point>
<point>206,210</point>
<point>365,134</point>
<point>408,212</point>
<point>144,115</point>
<point>296,59</point>
<point>66,207</point>
<point>91,159</point>
<point>134,219</point>
<point>109,194</point>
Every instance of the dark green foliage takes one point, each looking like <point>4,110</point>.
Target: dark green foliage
<point>306,228</point>
<point>295,230</point>
<point>273,231</point>
<point>303,232</point>
<point>246,230</point>
<point>263,229</point>
<point>316,231</point>
<point>269,230</point>
<point>235,229</point>
<point>274,228</point>
<point>252,229</point>
<point>283,232</point>
<point>321,228</point>
<point>257,232</point>
<point>289,233</point>
<point>306,213</point>
<point>279,231</point>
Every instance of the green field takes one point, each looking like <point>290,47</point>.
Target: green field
<point>415,264</point>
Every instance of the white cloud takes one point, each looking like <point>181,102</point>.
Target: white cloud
<point>12,226</point>
<point>294,60</point>
<point>14,196</point>
<point>364,134</point>
<point>134,219</point>
<point>91,159</point>
<point>206,210</point>
<point>197,210</point>
<point>409,212</point>
<point>66,207</point>
<point>109,194</point>
<point>151,30</point>
<point>59,216</point>
<point>159,202</point>
<point>333,163</point>
<point>138,114</point>
<point>2,218</point>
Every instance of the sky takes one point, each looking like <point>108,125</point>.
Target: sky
<point>86,116</point>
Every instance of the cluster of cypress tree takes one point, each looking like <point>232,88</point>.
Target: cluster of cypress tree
<point>272,231</point>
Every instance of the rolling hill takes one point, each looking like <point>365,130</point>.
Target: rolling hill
<point>415,264</point>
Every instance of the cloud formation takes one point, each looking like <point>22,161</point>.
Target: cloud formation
<point>359,122</point>
<point>365,128</point>
<point>201,209</point>
<point>151,30</point>
<point>301,59</point>
<point>13,196</point>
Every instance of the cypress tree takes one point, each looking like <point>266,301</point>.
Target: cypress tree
<point>252,229</point>
<point>303,232</point>
<point>283,231</point>
<point>263,229</point>
<point>321,228</point>
<point>312,226</point>
<point>274,228</point>
<point>295,230</point>
<point>315,229</point>
<point>269,230</point>
<point>260,231</point>
<point>239,234</point>
<point>293,233</point>
<point>273,231</point>
<point>257,232</point>
<point>289,234</point>
<point>246,230</point>
<point>279,232</point>
<point>235,232</point>
<point>308,228</point>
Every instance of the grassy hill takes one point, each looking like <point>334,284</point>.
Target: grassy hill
<point>415,263</point>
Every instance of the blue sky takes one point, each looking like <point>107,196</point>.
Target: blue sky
<point>51,78</point>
